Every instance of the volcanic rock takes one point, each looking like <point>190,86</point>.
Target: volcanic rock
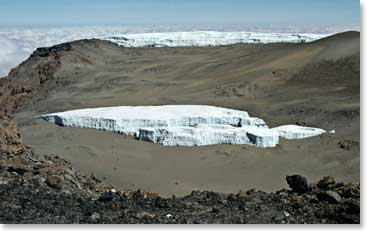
<point>298,183</point>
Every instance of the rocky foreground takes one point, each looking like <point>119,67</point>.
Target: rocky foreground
<point>49,190</point>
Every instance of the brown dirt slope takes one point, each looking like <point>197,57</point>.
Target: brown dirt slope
<point>314,84</point>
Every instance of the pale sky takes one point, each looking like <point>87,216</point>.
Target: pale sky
<point>184,12</point>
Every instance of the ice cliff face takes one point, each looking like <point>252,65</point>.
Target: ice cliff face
<point>182,125</point>
<point>208,38</point>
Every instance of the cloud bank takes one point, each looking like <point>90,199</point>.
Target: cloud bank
<point>16,44</point>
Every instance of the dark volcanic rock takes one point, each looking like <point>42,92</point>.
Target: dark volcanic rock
<point>329,196</point>
<point>54,181</point>
<point>107,196</point>
<point>29,203</point>
<point>325,182</point>
<point>348,144</point>
<point>46,51</point>
<point>298,183</point>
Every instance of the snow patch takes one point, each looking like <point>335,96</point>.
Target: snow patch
<point>297,132</point>
<point>208,38</point>
<point>182,125</point>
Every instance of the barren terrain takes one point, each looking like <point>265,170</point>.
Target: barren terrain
<point>314,84</point>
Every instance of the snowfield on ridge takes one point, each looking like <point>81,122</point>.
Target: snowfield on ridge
<point>182,125</point>
<point>208,38</point>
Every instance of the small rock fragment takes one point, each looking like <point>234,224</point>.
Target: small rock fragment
<point>145,215</point>
<point>348,144</point>
<point>161,203</point>
<point>241,194</point>
<point>95,217</point>
<point>325,182</point>
<point>352,206</point>
<point>329,196</point>
<point>54,181</point>
<point>106,196</point>
<point>251,191</point>
<point>68,177</point>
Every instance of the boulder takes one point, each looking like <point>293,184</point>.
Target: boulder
<point>325,182</point>
<point>298,183</point>
<point>55,181</point>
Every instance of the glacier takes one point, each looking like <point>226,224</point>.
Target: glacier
<point>208,38</point>
<point>182,125</point>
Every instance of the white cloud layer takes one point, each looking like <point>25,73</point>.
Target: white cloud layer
<point>16,44</point>
<point>11,54</point>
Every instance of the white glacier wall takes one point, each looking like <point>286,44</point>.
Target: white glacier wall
<point>182,125</point>
<point>209,135</point>
<point>208,38</point>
